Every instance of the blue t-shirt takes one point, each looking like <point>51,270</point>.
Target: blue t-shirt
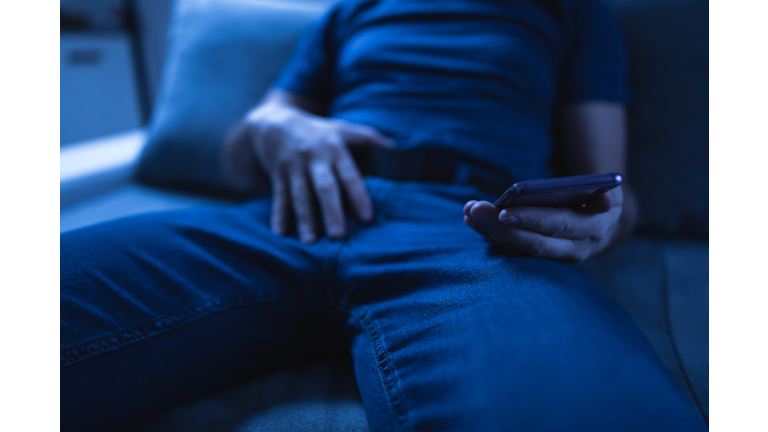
<point>482,77</point>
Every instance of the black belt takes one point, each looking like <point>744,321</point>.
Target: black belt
<point>432,166</point>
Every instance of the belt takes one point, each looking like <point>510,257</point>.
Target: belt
<point>433,166</point>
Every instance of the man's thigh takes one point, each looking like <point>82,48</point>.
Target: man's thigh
<point>459,335</point>
<point>161,308</point>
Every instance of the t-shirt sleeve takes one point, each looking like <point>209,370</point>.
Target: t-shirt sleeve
<point>596,64</point>
<point>309,71</point>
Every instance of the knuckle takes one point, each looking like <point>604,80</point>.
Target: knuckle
<point>561,228</point>
<point>308,151</point>
<point>323,180</point>
<point>334,142</point>
<point>507,231</point>
<point>313,151</point>
<point>537,248</point>
<point>299,193</point>
<point>347,171</point>
<point>534,224</point>
<point>349,174</point>
<point>324,187</point>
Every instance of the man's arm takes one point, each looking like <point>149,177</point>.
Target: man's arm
<point>595,142</point>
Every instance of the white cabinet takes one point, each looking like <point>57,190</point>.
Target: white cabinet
<point>98,91</point>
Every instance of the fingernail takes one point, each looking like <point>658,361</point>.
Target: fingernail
<point>508,218</point>
<point>366,214</point>
<point>335,231</point>
<point>306,235</point>
<point>481,215</point>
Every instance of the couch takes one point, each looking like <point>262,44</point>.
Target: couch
<point>222,56</point>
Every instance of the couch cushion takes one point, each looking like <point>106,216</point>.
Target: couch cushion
<point>222,57</point>
<point>668,45</point>
<point>128,200</point>
<point>634,275</point>
<point>688,300</point>
<point>664,285</point>
<point>321,396</point>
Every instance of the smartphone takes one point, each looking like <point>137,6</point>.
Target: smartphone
<point>559,192</point>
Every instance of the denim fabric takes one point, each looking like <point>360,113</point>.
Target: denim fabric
<point>445,331</point>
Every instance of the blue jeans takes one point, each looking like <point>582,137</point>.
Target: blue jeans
<point>445,331</point>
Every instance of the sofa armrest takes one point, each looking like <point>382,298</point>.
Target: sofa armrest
<point>93,167</point>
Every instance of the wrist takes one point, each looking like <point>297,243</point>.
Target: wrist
<point>239,163</point>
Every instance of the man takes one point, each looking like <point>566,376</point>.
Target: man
<point>444,103</point>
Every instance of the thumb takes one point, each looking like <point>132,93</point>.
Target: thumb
<point>357,134</point>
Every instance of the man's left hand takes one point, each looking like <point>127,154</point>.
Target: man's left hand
<point>570,234</point>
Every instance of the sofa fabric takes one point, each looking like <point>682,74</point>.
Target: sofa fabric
<point>128,200</point>
<point>668,46</point>
<point>664,285</point>
<point>687,265</point>
<point>319,396</point>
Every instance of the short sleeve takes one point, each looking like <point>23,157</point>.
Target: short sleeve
<point>310,69</point>
<point>595,65</point>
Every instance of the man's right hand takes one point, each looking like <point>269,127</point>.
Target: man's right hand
<point>306,157</point>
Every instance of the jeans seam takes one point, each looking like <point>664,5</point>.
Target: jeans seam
<point>85,350</point>
<point>386,371</point>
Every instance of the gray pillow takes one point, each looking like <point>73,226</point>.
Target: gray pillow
<point>668,43</point>
<point>223,55</point>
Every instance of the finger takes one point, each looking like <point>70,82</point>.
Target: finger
<point>301,199</point>
<point>606,201</point>
<point>522,240</point>
<point>357,134</point>
<point>485,213</point>
<point>479,228</point>
<point>484,219</point>
<point>489,237</point>
<point>543,246</point>
<point>279,216</point>
<point>562,222</point>
<point>354,186</point>
<point>601,204</point>
<point>327,192</point>
<point>468,206</point>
